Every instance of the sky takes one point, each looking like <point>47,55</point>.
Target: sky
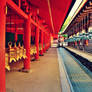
<point>78,4</point>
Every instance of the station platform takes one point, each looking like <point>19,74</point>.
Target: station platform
<point>43,77</point>
<point>83,54</point>
<point>57,71</point>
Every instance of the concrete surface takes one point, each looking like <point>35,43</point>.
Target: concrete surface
<point>81,53</point>
<point>43,76</point>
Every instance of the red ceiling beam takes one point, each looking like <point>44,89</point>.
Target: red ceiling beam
<point>37,25</point>
<point>20,12</point>
<point>17,9</point>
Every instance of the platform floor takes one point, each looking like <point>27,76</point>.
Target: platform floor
<point>43,77</point>
<point>81,53</point>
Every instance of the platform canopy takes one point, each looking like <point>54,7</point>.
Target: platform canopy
<point>53,12</point>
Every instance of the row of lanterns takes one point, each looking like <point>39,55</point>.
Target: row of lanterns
<point>81,36</point>
<point>14,54</point>
<point>33,50</point>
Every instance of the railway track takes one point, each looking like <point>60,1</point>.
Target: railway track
<point>80,77</point>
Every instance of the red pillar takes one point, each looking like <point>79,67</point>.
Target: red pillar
<point>44,42</point>
<point>27,33</point>
<point>46,39</point>
<point>19,3</point>
<point>2,44</point>
<point>16,36</point>
<point>86,42</point>
<point>50,40</point>
<point>37,43</point>
<point>41,43</point>
<point>23,37</point>
<point>75,43</point>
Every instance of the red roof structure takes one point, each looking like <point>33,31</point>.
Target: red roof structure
<point>52,11</point>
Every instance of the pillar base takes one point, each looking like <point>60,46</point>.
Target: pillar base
<point>36,57</point>
<point>47,50</point>
<point>24,70</point>
<point>41,55</point>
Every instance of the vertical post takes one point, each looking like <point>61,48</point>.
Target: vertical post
<point>23,36</point>
<point>41,43</point>
<point>2,45</point>
<point>44,42</point>
<point>19,3</point>
<point>37,44</point>
<point>75,43</point>
<point>16,36</point>
<point>46,39</point>
<point>27,33</point>
<point>86,42</point>
<point>49,40</point>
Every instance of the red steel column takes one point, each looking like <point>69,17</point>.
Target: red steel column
<point>41,42</point>
<point>37,43</point>
<point>27,33</point>
<point>2,45</point>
